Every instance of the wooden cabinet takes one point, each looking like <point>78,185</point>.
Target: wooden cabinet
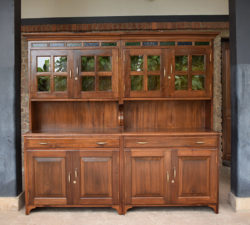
<point>146,174</point>
<point>195,177</point>
<point>66,178</point>
<point>121,120</point>
<point>46,181</point>
<point>74,74</point>
<point>167,176</point>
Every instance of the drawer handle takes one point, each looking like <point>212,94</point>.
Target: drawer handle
<point>200,142</point>
<point>101,143</point>
<point>43,143</point>
<point>142,142</point>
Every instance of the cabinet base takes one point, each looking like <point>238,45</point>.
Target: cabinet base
<point>118,208</point>
<point>215,207</point>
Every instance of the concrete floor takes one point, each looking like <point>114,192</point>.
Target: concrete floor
<point>135,216</point>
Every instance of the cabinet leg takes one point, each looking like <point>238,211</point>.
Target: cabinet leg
<point>28,209</point>
<point>215,207</point>
<point>126,208</point>
<point>118,208</point>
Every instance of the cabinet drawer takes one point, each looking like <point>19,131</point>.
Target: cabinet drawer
<point>206,141</point>
<point>41,143</point>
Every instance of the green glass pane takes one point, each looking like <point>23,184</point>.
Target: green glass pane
<point>199,43</point>
<point>60,83</point>
<point>198,63</point>
<point>105,83</point>
<point>153,83</point>
<point>167,43</point>
<point>136,83</point>
<point>60,64</point>
<point>198,82</point>
<point>43,64</point>
<point>154,63</point>
<point>132,43</point>
<point>109,44</point>
<point>43,83</point>
<point>104,63</point>
<point>88,83</point>
<point>181,82</point>
<point>181,63</point>
<point>87,63</point>
<point>136,62</point>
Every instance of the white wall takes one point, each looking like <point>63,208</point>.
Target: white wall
<point>88,8</point>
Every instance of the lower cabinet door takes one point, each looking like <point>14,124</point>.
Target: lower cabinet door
<point>195,176</point>
<point>46,177</point>
<point>146,176</point>
<point>98,177</point>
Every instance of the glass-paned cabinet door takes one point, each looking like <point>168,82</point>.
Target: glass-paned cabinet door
<point>190,74</point>
<point>96,73</point>
<point>143,69</point>
<point>50,74</point>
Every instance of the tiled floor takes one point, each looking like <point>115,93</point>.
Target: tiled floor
<point>136,216</point>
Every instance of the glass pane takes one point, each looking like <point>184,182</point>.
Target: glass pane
<point>105,83</point>
<point>136,83</point>
<point>198,62</point>
<point>43,64</point>
<point>150,43</point>
<point>43,83</point>
<point>199,43</point>
<point>198,82</point>
<point>91,44</point>
<point>132,43</point>
<point>136,62</point>
<point>154,63</point>
<point>60,83</point>
<point>181,82</point>
<point>104,63</point>
<point>153,83</point>
<point>181,63</point>
<point>88,63</point>
<point>109,43</point>
<point>185,43</point>
<point>60,64</point>
<point>88,83</point>
<point>167,43</point>
<point>74,44</point>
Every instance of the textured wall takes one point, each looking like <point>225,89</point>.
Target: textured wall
<point>9,101</point>
<point>90,8</point>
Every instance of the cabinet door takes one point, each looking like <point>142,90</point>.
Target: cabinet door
<point>46,177</point>
<point>97,175</point>
<point>146,176</point>
<point>191,73</point>
<point>96,73</point>
<point>195,176</point>
<point>143,70</point>
<point>51,73</point>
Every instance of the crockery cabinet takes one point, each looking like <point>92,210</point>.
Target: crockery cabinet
<point>121,120</point>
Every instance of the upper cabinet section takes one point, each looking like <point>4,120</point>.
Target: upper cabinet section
<point>164,69</point>
<point>87,70</point>
<point>126,66</point>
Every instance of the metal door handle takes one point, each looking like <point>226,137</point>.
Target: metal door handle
<point>69,177</point>
<point>43,143</point>
<point>171,69</point>
<point>200,142</point>
<point>76,173</point>
<point>167,176</point>
<point>101,143</point>
<point>164,72</point>
<point>142,142</point>
<point>174,172</point>
<point>70,74</point>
